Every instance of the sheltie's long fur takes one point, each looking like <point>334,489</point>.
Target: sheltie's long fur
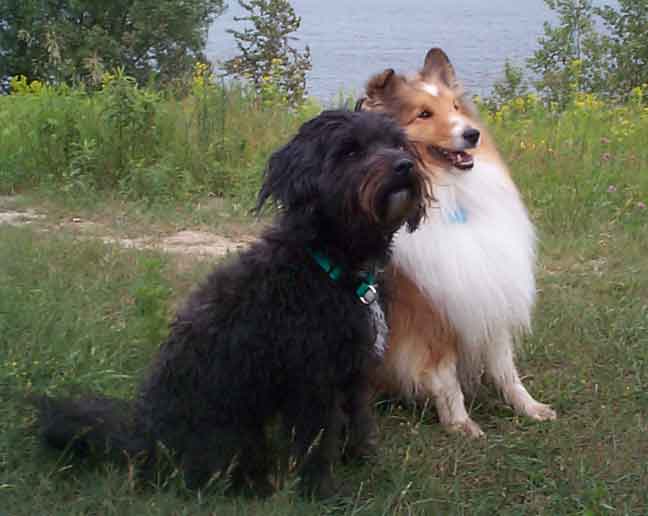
<point>462,286</point>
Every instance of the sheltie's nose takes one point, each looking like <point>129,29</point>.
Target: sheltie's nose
<point>403,166</point>
<point>471,135</point>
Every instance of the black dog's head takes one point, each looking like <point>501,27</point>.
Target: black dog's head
<point>350,177</point>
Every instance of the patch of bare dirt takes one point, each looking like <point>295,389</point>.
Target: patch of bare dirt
<point>195,243</point>
<point>186,242</point>
<point>203,243</point>
<point>16,218</point>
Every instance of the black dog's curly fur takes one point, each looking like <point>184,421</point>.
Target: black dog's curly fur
<point>270,333</point>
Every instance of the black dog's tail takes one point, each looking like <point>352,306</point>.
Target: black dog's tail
<point>104,427</point>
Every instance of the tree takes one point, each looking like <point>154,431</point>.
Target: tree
<point>266,56</point>
<point>569,57</point>
<point>626,43</point>
<point>75,40</point>
<point>575,57</point>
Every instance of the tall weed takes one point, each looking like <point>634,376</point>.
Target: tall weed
<point>216,137</point>
<point>146,144</point>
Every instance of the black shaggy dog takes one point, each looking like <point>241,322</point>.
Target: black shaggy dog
<point>281,330</point>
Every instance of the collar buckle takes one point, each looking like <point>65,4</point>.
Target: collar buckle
<point>366,291</point>
<point>369,296</point>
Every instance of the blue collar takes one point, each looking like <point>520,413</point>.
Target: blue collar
<point>458,216</point>
<point>366,290</point>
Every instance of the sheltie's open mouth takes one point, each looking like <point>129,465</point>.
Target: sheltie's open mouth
<point>458,159</point>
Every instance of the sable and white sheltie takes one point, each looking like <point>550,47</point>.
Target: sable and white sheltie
<point>462,286</point>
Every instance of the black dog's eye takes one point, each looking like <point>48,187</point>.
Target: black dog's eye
<point>425,114</point>
<point>350,150</point>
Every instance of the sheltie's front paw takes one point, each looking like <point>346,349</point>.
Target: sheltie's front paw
<point>540,412</point>
<point>524,404</point>
<point>468,428</point>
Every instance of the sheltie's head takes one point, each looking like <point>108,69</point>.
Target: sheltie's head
<point>431,108</point>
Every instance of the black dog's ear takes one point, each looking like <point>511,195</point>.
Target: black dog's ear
<point>378,88</point>
<point>288,178</point>
<point>427,192</point>
<point>380,82</point>
<point>412,223</point>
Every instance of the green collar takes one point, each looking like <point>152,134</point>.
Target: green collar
<point>366,290</point>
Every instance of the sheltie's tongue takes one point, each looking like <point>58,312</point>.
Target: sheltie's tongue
<point>458,159</point>
<point>461,160</point>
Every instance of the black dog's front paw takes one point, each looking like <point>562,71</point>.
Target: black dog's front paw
<point>362,438</point>
<point>321,486</point>
<point>363,451</point>
<point>260,488</point>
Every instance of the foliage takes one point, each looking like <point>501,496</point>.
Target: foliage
<point>152,145</point>
<point>511,86</point>
<point>575,39</point>
<point>592,50</point>
<point>77,40</point>
<point>626,43</point>
<point>267,60</point>
<point>145,143</point>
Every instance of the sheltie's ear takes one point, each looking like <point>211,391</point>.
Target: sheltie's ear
<point>379,88</point>
<point>437,65</point>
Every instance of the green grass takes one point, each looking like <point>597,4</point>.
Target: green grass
<point>77,315</point>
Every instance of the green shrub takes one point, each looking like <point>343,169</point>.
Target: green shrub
<point>147,144</point>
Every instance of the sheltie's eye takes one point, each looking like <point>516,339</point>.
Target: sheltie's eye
<point>456,106</point>
<point>425,114</point>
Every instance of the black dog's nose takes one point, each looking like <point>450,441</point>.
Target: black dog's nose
<point>403,166</point>
<point>471,135</point>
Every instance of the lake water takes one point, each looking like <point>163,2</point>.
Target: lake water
<point>352,39</point>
